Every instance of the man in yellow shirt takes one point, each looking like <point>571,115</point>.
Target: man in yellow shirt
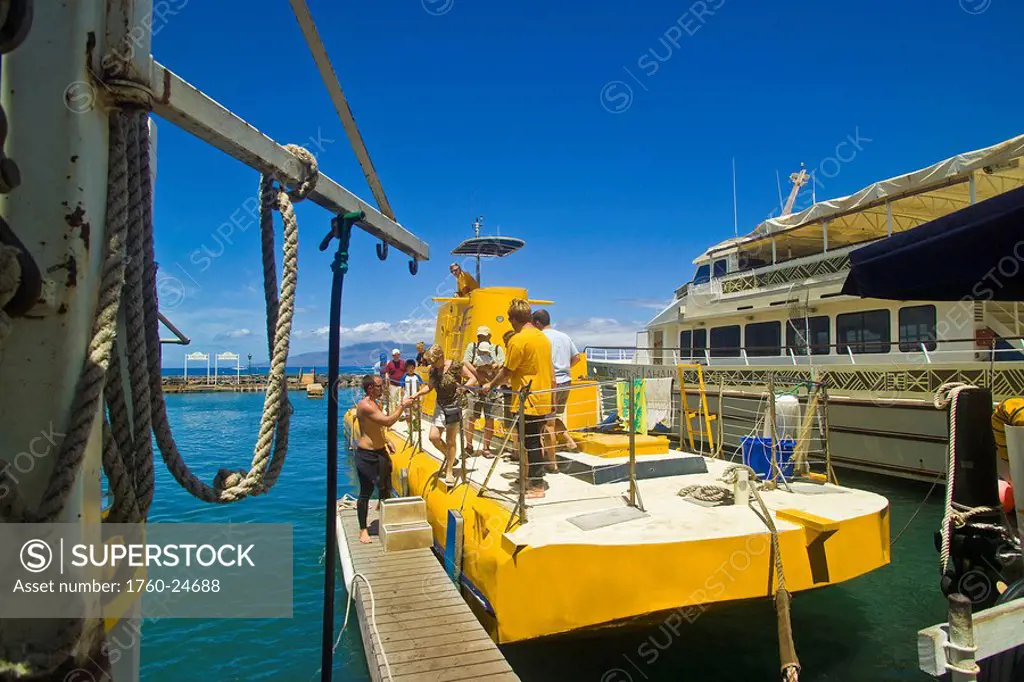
<point>528,365</point>
<point>464,282</point>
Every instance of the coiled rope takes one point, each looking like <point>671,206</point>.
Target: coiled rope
<point>715,493</point>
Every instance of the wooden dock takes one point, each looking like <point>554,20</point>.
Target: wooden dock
<point>427,632</point>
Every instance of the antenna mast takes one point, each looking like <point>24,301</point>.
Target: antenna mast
<point>477,224</point>
<point>735,216</point>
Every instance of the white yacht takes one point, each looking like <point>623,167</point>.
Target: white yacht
<point>772,302</point>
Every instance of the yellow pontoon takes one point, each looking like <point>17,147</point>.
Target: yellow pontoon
<point>583,557</point>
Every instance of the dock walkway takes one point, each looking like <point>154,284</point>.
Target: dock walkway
<point>427,632</point>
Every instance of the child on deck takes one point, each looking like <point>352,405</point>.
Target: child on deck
<point>410,385</point>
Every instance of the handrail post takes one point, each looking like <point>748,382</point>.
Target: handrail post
<point>721,418</point>
<point>523,457</point>
<point>746,360</point>
<point>632,441</point>
<point>771,421</point>
<point>823,425</point>
<point>792,355</point>
<point>849,351</point>
<point>924,350</point>
<point>960,649</point>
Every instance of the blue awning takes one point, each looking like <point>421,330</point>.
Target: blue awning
<point>976,253</point>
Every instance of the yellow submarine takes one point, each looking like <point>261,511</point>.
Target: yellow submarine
<point>583,557</point>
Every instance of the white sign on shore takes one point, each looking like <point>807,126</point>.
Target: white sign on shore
<point>228,357</point>
<point>198,356</point>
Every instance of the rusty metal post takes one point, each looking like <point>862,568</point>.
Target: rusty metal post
<point>960,649</point>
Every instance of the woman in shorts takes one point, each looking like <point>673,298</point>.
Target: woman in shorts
<point>447,379</point>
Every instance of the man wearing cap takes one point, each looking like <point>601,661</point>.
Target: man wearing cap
<point>486,358</point>
<point>395,371</point>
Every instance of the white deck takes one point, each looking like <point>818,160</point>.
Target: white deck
<point>670,518</point>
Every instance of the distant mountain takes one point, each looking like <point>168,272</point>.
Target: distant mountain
<point>358,354</point>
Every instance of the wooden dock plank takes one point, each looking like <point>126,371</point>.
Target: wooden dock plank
<point>465,672</point>
<point>421,650</point>
<point>424,628</point>
<point>446,663</point>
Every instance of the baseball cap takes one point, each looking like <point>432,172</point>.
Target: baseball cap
<point>396,352</point>
<point>483,330</point>
<point>484,348</point>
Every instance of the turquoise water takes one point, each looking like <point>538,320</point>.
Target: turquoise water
<point>862,631</point>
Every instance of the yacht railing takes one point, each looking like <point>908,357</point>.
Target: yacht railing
<point>499,423</point>
<point>946,351</point>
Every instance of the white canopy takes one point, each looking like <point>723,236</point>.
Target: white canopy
<point>896,204</point>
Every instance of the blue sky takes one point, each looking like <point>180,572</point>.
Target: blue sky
<point>600,132</point>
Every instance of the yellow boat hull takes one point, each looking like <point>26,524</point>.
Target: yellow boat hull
<point>557,588</point>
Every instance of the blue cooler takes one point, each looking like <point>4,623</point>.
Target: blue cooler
<point>757,454</point>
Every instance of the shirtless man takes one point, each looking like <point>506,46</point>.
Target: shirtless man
<point>373,462</point>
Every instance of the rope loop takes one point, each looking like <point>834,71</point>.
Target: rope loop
<point>947,391</point>
<point>311,176</point>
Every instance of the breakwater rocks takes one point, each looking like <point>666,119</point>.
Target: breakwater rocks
<point>248,383</point>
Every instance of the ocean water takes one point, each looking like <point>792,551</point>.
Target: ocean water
<point>861,631</point>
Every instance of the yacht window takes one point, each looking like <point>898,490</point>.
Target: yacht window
<point>917,326</point>
<point>763,339</point>
<point>700,342</point>
<point>800,329</point>
<point>866,332</point>
<point>703,274</point>
<point>725,341</point>
<point>719,268</point>
<point>685,343</point>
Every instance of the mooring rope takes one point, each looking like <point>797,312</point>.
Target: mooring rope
<point>272,441</point>
<point>32,657</point>
<point>722,493</point>
<point>128,276</point>
<point>948,395</point>
<point>373,618</point>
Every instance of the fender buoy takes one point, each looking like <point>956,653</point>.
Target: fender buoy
<point>1006,496</point>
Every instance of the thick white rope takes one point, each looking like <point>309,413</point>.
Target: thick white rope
<point>373,618</point>
<point>948,395</point>
<point>272,441</point>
